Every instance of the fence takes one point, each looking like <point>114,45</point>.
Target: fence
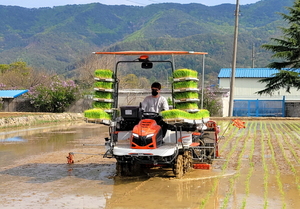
<point>259,108</point>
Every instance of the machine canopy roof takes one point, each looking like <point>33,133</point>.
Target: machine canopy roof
<point>152,53</point>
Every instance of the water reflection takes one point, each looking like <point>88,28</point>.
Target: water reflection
<point>14,139</point>
<point>44,139</point>
<point>159,192</point>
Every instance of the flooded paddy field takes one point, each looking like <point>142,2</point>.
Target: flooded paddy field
<point>258,168</point>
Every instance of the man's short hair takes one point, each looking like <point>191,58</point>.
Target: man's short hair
<point>156,85</point>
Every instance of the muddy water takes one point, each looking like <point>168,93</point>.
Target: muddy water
<point>34,174</point>
<point>19,143</point>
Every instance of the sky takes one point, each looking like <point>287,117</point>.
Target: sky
<point>51,3</point>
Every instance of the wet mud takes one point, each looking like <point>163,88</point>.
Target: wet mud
<point>258,168</point>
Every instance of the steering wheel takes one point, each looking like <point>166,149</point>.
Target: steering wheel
<point>150,114</point>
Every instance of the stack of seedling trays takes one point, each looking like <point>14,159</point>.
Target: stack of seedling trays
<point>102,99</point>
<point>186,98</point>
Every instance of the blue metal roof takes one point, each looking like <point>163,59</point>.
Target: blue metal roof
<point>251,72</point>
<point>248,72</point>
<point>11,93</point>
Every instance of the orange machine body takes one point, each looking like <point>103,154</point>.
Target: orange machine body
<point>146,135</point>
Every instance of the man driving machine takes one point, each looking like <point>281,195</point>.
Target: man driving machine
<point>155,102</point>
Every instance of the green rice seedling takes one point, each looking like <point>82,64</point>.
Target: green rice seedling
<point>186,95</point>
<point>102,105</point>
<point>231,132</point>
<point>265,166</point>
<point>103,84</point>
<point>289,144</point>
<point>250,173</point>
<point>210,193</point>
<point>277,170</point>
<point>185,84</point>
<point>224,167</point>
<point>186,105</point>
<point>174,113</point>
<point>103,73</point>
<point>180,114</point>
<point>182,73</point>
<point>203,113</point>
<point>103,95</point>
<point>97,114</point>
<point>238,168</point>
<point>291,149</point>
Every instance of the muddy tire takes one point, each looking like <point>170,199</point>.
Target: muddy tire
<point>123,169</point>
<point>178,167</point>
<point>128,169</point>
<point>187,161</point>
<point>136,169</point>
<point>119,168</point>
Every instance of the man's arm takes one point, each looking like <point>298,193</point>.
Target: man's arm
<point>165,105</point>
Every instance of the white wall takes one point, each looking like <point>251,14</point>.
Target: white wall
<point>246,88</point>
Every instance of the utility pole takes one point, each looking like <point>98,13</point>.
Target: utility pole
<point>253,52</point>
<point>232,80</point>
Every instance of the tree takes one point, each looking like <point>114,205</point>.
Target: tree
<point>18,75</point>
<point>87,66</point>
<point>211,101</point>
<point>287,50</point>
<point>282,79</point>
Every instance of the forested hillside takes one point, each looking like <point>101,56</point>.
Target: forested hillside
<point>56,38</point>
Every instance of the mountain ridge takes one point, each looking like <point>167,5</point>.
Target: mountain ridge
<point>56,38</point>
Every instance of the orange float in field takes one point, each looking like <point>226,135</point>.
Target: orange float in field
<point>238,123</point>
<point>70,158</point>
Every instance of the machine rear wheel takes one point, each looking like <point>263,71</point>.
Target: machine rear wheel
<point>187,161</point>
<point>178,167</point>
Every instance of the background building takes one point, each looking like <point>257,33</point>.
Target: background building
<point>247,84</point>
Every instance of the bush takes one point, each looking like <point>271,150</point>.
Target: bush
<point>55,97</point>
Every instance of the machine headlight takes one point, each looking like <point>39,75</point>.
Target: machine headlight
<point>149,135</point>
<point>135,135</point>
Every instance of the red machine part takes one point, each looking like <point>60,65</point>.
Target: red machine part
<point>149,129</point>
<point>213,125</point>
<point>201,166</point>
